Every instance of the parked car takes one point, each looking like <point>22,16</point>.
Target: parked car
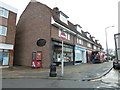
<point>116,64</point>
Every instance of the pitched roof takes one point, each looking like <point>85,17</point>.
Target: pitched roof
<point>55,14</point>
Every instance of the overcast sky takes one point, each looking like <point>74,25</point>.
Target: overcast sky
<point>93,15</point>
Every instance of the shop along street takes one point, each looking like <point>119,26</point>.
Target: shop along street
<point>78,76</point>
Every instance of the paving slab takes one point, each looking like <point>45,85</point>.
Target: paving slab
<point>71,72</point>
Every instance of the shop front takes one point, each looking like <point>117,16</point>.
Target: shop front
<point>6,55</point>
<point>80,55</point>
<point>57,53</point>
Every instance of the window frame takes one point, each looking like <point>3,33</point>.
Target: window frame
<point>79,41</point>
<point>3,30</point>
<point>89,45</point>
<point>4,12</point>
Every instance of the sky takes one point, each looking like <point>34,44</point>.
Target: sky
<point>93,15</point>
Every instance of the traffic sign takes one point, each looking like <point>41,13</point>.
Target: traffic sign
<point>63,36</point>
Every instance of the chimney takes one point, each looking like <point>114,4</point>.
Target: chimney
<point>56,9</point>
<point>33,1</point>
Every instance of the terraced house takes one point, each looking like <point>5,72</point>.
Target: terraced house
<point>7,34</point>
<point>39,22</point>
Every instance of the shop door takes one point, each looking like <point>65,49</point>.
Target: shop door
<point>84,60</point>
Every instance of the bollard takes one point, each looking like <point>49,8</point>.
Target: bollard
<point>53,70</point>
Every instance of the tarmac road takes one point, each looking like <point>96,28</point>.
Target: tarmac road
<point>47,83</point>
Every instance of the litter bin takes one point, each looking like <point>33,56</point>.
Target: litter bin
<point>53,70</point>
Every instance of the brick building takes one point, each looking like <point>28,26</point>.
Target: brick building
<point>7,33</point>
<point>38,21</point>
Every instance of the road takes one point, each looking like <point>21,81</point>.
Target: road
<point>45,83</point>
<point>111,80</point>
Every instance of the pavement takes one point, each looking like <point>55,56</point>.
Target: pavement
<point>71,72</point>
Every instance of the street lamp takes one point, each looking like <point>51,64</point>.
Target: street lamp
<point>106,40</point>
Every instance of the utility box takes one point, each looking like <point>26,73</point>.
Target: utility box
<point>117,45</point>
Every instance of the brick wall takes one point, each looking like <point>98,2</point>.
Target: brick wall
<point>55,34</point>
<point>11,25</point>
<point>3,21</point>
<point>34,24</point>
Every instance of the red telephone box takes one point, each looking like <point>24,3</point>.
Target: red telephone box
<point>37,59</point>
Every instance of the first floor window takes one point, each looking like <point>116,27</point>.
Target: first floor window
<point>68,36</point>
<point>89,45</point>
<point>80,41</point>
<point>3,30</point>
<point>95,47</point>
<point>4,12</point>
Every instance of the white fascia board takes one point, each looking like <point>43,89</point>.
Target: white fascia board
<point>81,46</point>
<point>84,47</point>
<point>8,7</point>
<point>6,46</point>
<point>61,26</point>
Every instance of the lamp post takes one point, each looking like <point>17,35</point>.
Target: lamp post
<point>106,40</point>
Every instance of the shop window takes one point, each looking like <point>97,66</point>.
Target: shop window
<point>4,12</point>
<point>3,30</point>
<point>68,54</point>
<point>4,57</point>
